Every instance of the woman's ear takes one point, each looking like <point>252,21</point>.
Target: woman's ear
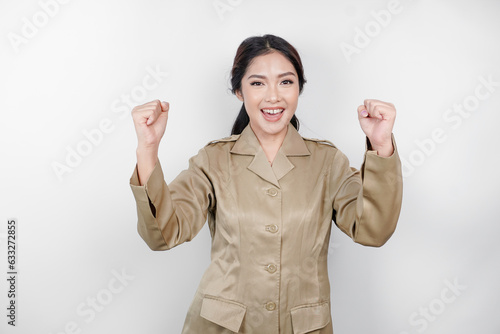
<point>239,95</point>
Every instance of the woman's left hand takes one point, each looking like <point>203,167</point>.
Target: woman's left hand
<point>377,120</point>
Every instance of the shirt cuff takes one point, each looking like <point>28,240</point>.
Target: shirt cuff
<point>152,187</point>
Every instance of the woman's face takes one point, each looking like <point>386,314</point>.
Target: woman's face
<point>270,92</point>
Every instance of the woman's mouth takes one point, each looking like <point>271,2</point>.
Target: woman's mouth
<point>272,114</point>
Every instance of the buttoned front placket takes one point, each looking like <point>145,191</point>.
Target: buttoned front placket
<point>269,202</point>
<point>273,234</point>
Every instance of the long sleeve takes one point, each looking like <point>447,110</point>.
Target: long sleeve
<point>169,215</point>
<point>367,202</point>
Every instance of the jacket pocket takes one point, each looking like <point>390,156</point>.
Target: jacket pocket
<point>310,317</point>
<point>223,312</point>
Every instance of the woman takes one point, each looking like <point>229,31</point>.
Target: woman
<point>270,197</point>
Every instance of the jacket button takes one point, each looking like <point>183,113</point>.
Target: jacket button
<point>272,192</point>
<point>271,268</point>
<point>270,306</point>
<point>272,228</point>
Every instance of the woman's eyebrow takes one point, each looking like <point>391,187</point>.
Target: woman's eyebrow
<point>259,76</point>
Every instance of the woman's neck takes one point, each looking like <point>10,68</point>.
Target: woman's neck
<point>271,143</point>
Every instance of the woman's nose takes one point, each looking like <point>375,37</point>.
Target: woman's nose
<point>273,95</point>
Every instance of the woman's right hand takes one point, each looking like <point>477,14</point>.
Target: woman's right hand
<point>150,121</point>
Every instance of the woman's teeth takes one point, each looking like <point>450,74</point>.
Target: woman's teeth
<point>272,111</point>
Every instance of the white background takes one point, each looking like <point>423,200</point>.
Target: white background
<point>76,231</point>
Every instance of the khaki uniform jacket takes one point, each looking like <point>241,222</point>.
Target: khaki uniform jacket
<point>270,227</point>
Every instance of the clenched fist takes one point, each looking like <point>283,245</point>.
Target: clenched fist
<point>150,121</point>
<point>377,120</point>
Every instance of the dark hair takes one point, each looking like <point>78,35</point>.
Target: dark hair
<point>257,46</point>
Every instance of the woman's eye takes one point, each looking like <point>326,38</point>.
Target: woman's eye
<point>256,83</point>
<point>287,82</point>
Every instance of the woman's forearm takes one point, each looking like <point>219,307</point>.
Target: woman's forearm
<point>384,151</point>
<point>146,161</point>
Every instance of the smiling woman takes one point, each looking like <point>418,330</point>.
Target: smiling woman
<point>270,99</point>
<point>248,51</point>
<point>270,197</point>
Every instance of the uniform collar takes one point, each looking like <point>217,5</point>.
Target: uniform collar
<point>293,145</point>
